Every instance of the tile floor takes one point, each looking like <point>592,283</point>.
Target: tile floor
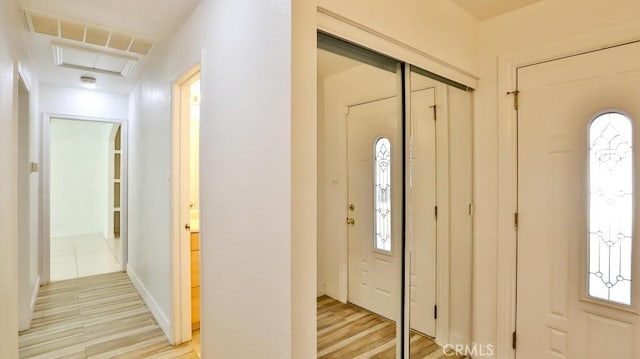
<point>85,255</point>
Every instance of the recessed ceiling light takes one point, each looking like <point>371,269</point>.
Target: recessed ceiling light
<point>88,82</point>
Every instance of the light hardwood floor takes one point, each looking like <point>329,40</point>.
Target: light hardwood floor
<point>96,317</point>
<point>104,317</point>
<point>346,331</point>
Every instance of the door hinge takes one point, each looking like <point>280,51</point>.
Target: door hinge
<point>435,312</point>
<point>513,340</point>
<point>470,209</point>
<point>515,94</point>
<point>435,113</point>
<point>436,212</point>
<point>515,221</point>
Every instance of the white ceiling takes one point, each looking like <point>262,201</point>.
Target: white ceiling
<point>155,19</point>
<point>331,64</point>
<point>158,19</point>
<point>487,9</point>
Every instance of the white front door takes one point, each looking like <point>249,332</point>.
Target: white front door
<point>374,145</point>
<point>421,212</point>
<point>576,204</point>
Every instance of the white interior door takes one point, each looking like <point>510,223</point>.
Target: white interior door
<point>571,226</point>
<point>374,236</point>
<point>421,212</point>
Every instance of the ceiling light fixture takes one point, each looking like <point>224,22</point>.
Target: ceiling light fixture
<point>88,82</point>
<point>128,67</point>
<point>57,55</point>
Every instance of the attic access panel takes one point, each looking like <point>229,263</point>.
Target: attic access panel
<point>90,59</point>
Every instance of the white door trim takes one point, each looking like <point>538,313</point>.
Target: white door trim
<point>180,321</point>
<point>350,30</point>
<point>507,160</point>
<point>45,189</point>
<point>25,140</point>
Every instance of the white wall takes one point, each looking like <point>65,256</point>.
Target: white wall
<point>8,206</point>
<point>150,165</point>
<point>12,51</point>
<point>245,176</point>
<point>68,101</point>
<point>246,182</point>
<point>150,194</point>
<point>79,177</point>
<point>558,23</point>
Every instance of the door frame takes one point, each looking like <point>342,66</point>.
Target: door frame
<point>508,161</point>
<point>180,244</point>
<point>45,189</point>
<point>350,30</point>
<point>30,169</point>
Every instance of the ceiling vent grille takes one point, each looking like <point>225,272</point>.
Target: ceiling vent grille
<point>52,25</point>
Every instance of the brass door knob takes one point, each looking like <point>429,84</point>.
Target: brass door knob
<point>351,221</point>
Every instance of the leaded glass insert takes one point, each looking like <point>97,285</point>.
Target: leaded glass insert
<point>382,196</point>
<point>610,208</point>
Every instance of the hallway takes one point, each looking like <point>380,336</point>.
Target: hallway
<point>95,317</point>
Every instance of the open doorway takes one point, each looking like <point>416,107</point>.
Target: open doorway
<point>187,209</point>
<point>85,198</point>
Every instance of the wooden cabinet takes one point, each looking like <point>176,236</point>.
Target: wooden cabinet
<point>195,280</point>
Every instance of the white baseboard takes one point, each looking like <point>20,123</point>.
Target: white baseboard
<point>161,318</point>
<point>321,289</point>
<point>32,304</point>
<point>34,294</point>
<point>455,338</point>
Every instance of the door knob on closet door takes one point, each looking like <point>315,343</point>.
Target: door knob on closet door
<point>187,227</point>
<point>351,221</point>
